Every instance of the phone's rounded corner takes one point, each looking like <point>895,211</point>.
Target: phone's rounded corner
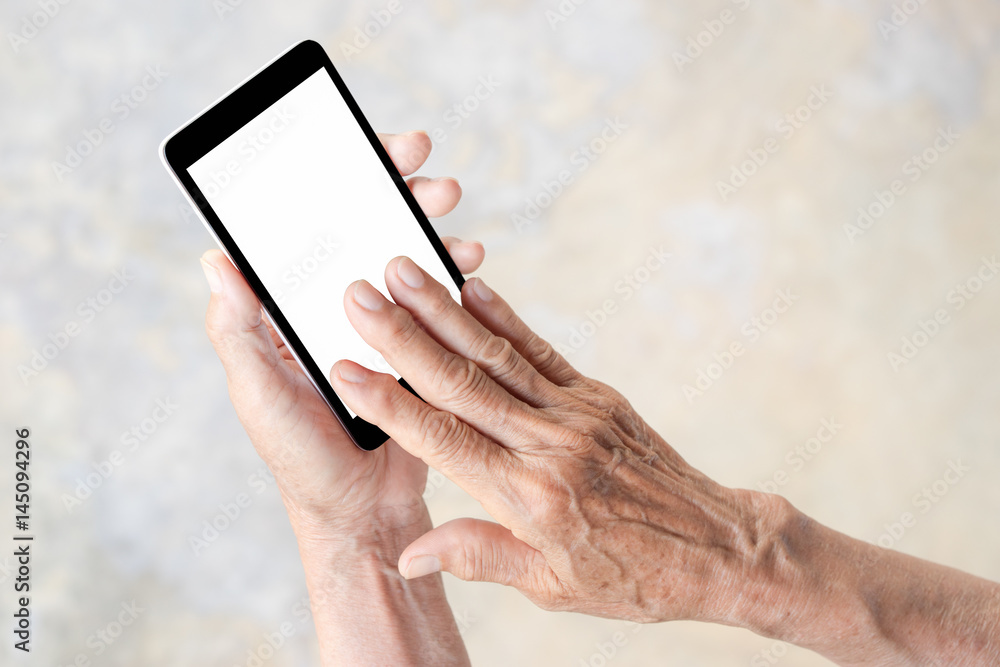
<point>164,150</point>
<point>372,446</point>
<point>367,436</point>
<point>310,45</point>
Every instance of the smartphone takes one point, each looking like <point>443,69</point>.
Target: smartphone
<point>297,190</point>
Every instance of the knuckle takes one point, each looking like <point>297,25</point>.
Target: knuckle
<point>540,349</point>
<point>459,380</point>
<point>541,583</point>
<point>436,427</point>
<point>547,500</point>
<point>593,429</point>
<point>610,396</point>
<point>496,354</point>
<point>402,329</point>
<point>439,306</point>
<point>581,434</point>
<point>510,321</point>
<point>442,432</point>
<point>550,510</point>
<point>612,406</point>
<point>227,340</point>
<point>545,356</point>
<point>572,440</point>
<point>387,397</point>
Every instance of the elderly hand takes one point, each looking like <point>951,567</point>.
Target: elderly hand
<point>330,488</point>
<point>353,512</point>
<point>597,513</point>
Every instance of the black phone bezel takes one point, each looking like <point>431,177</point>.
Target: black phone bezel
<point>223,119</point>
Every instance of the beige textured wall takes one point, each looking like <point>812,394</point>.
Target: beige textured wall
<point>655,185</point>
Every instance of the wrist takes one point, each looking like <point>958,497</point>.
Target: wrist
<point>381,533</point>
<point>365,611</point>
<point>805,585</point>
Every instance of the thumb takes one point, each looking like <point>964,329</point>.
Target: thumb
<point>235,325</point>
<point>474,550</point>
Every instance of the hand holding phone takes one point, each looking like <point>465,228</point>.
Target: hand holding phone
<point>300,194</point>
<point>325,479</point>
<point>344,504</point>
<point>288,422</point>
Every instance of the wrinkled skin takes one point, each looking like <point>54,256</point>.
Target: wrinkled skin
<point>596,512</point>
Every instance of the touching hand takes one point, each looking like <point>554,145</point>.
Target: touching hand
<point>596,512</point>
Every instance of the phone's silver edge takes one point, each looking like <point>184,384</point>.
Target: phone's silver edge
<point>197,210</point>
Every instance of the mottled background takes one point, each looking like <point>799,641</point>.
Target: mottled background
<point>855,296</point>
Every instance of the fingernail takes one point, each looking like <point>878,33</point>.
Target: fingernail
<point>421,566</point>
<point>213,277</point>
<point>410,273</point>
<point>482,291</point>
<point>367,296</point>
<point>351,373</point>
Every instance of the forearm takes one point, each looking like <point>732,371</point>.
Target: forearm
<point>859,604</point>
<point>366,614</point>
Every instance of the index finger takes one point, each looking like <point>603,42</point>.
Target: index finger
<point>444,379</point>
